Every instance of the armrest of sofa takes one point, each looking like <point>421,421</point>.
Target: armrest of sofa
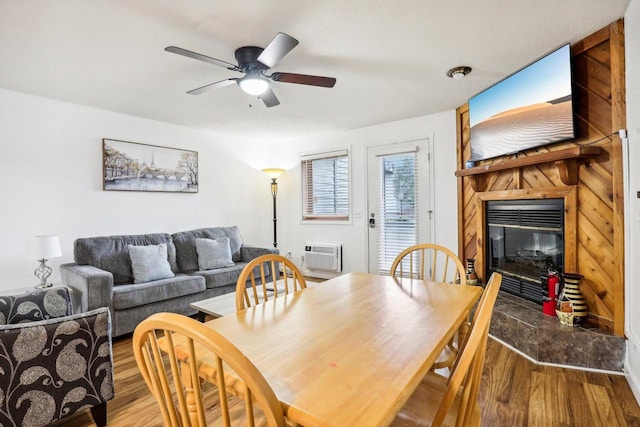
<point>55,367</point>
<point>92,286</point>
<point>249,252</point>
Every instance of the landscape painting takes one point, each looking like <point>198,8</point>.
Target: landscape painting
<point>130,166</point>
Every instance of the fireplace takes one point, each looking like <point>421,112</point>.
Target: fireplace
<point>521,236</point>
<point>524,238</point>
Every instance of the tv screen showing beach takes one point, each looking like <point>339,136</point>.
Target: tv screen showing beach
<point>529,109</point>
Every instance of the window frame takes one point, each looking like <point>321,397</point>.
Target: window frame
<point>323,218</point>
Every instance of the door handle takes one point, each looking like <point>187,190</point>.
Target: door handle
<point>372,222</point>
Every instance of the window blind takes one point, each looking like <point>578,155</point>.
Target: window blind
<point>325,186</point>
<point>398,207</point>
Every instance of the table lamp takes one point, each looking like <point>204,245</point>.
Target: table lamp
<point>42,248</point>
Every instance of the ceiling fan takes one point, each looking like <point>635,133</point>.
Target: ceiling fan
<point>254,62</point>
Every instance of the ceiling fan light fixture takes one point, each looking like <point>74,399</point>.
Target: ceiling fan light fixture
<point>459,72</point>
<point>253,62</point>
<point>253,85</point>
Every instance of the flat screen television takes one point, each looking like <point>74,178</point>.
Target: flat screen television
<point>531,108</point>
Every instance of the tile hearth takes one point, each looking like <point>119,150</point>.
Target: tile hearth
<point>522,325</point>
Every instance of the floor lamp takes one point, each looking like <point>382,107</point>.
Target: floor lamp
<point>274,173</point>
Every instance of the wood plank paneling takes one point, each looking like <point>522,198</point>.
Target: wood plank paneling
<point>618,121</point>
<point>593,109</point>
<point>540,176</point>
<point>462,144</point>
<point>596,221</point>
<point>595,210</point>
<point>592,71</point>
<point>597,180</point>
<point>591,41</point>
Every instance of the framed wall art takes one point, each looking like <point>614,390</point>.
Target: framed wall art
<point>131,166</point>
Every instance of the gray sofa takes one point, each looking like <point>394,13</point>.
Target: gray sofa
<point>102,274</point>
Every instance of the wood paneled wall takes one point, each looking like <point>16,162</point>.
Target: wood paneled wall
<point>594,209</point>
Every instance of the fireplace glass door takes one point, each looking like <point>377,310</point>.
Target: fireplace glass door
<point>525,237</point>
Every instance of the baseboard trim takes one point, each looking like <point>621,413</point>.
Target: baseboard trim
<point>631,373</point>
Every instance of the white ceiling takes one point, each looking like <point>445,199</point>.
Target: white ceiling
<point>389,57</point>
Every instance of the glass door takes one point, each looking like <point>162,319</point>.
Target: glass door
<point>397,183</point>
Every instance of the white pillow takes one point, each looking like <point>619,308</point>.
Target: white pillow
<point>149,263</point>
<point>214,253</point>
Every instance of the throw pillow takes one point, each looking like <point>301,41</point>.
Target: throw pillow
<point>149,263</point>
<point>214,253</point>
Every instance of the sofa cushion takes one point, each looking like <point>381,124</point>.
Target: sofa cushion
<point>185,242</point>
<point>111,253</point>
<point>227,275</point>
<point>134,295</point>
<point>149,263</point>
<point>213,253</point>
<point>221,276</point>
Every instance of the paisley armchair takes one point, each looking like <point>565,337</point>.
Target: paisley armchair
<point>52,363</point>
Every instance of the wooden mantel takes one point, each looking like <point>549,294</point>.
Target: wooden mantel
<point>566,160</point>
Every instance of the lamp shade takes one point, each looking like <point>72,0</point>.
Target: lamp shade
<point>253,85</point>
<point>44,247</point>
<point>273,173</point>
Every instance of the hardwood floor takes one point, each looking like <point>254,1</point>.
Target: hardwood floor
<point>517,392</point>
<point>133,404</point>
<point>514,392</point>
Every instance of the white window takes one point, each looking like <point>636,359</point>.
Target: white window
<point>325,186</point>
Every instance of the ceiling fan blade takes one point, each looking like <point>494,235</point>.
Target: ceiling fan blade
<point>269,98</point>
<point>215,85</point>
<point>278,47</point>
<point>304,79</point>
<point>200,57</point>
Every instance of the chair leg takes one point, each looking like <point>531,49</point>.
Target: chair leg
<point>99,414</point>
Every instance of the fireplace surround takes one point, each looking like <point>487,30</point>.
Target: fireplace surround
<point>519,321</point>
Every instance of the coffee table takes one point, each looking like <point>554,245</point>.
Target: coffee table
<point>223,305</point>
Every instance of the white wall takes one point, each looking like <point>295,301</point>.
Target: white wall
<point>51,181</point>
<point>632,211</point>
<point>292,233</point>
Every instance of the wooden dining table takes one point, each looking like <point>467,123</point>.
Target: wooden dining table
<point>349,351</point>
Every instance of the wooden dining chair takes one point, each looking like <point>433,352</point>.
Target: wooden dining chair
<point>169,349</point>
<point>441,401</point>
<point>427,261</point>
<point>264,270</point>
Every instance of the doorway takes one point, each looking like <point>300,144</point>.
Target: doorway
<point>398,203</point>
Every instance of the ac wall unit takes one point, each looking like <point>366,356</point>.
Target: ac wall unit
<point>323,257</point>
